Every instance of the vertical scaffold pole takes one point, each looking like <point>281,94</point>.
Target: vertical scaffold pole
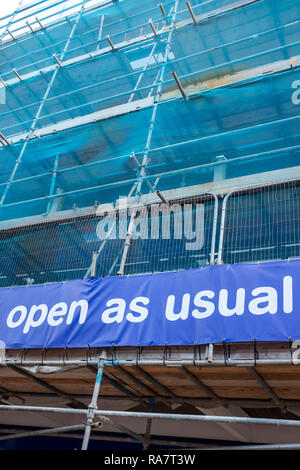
<point>147,62</point>
<point>222,227</point>
<point>159,90</point>
<point>52,185</point>
<point>143,166</point>
<point>148,426</point>
<point>94,264</point>
<point>93,405</point>
<point>214,228</point>
<point>100,33</point>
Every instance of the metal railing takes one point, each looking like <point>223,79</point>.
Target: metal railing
<point>166,236</point>
<point>260,223</point>
<point>256,224</point>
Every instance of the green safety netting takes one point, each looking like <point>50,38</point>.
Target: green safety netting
<point>226,129</point>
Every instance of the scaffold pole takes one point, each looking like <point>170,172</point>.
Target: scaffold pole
<point>93,405</point>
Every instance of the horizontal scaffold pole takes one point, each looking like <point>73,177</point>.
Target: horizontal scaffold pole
<point>161,416</point>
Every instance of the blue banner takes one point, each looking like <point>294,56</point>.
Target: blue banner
<point>206,305</point>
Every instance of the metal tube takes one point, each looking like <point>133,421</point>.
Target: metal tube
<point>127,244</point>
<point>136,381</point>
<point>100,33</point>
<point>151,362</point>
<point>158,175</point>
<point>29,26</point>
<point>152,27</point>
<point>200,384</point>
<point>179,84</point>
<point>222,228</point>
<point>214,228</point>
<point>17,74</point>
<point>265,386</point>
<point>39,23</point>
<point>161,175</point>
<point>162,9</point>
<point>110,43</point>
<point>191,12</point>
<point>143,71</point>
<point>111,269</point>
<point>42,432</point>
<point>57,60</point>
<point>94,263</point>
<point>103,414</point>
<point>93,405</point>
<point>4,138</point>
<point>53,180</point>
<point>201,402</point>
<point>258,447</point>
<point>142,173</point>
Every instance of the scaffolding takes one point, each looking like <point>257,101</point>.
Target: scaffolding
<point>141,381</point>
<point>71,105</point>
<point>184,104</point>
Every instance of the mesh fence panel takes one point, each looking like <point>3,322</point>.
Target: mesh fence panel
<point>262,224</point>
<point>179,237</point>
<point>51,252</point>
<point>61,250</point>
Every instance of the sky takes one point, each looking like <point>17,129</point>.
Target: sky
<point>8,7</point>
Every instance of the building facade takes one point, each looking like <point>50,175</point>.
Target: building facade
<point>144,137</point>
